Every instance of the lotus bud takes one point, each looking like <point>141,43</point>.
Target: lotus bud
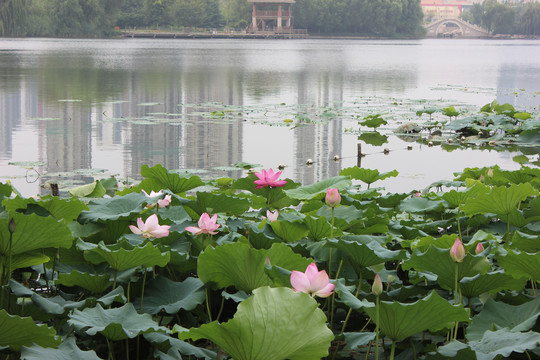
<point>267,261</point>
<point>490,173</point>
<point>377,287</point>
<point>457,252</point>
<point>482,178</point>
<point>391,278</point>
<point>479,248</point>
<point>11,226</point>
<point>333,198</point>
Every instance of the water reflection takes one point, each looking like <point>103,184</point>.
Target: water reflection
<point>119,104</point>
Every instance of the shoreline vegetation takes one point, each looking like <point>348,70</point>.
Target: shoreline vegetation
<point>392,19</point>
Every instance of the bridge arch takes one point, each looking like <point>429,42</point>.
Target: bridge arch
<point>463,29</point>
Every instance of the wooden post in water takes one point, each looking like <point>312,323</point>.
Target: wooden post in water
<point>54,190</point>
<point>359,155</point>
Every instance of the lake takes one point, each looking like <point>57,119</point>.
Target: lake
<point>75,110</point>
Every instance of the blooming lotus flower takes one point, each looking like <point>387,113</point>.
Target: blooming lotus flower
<point>207,225</point>
<point>377,287</point>
<point>271,215</point>
<point>153,194</point>
<point>166,201</point>
<point>479,248</point>
<point>150,228</point>
<point>268,178</point>
<point>313,282</point>
<point>333,198</point>
<point>457,252</point>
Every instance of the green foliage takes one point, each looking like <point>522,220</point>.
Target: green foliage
<point>274,323</point>
<point>49,288</point>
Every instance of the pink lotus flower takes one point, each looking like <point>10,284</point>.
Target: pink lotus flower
<point>479,248</point>
<point>457,252</point>
<point>153,194</point>
<point>333,198</point>
<point>271,215</point>
<point>150,228</point>
<point>313,282</point>
<point>166,201</point>
<point>377,287</point>
<point>207,225</point>
<point>268,178</point>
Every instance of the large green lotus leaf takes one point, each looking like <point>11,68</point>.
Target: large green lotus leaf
<point>158,178</point>
<point>319,189</point>
<point>61,209</point>
<point>364,255</point>
<point>239,265</point>
<point>162,293</point>
<point>33,232</point>
<point>115,324</point>
<point>357,339</point>
<point>28,259</point>
<point>367,176</point>
<point>500,200</point>
<point>492,345</point>
<point>167,343</point>
<point>262,238</point>
<point>497,315</point>
<point>319,228</point>
<point>273,324</point>
<point>283,260</point>
<point>68,350</point>
<point>121,259</point>
<point>233,264</point>
<point>373,121</point>
<point>343,215</point>
<point>525,242</point>
<point>391,200</point>
<point>118,207</point>
<point>220,203</point>
<point>439,262</point>
<point>399,321</point>
<point>373,138</point>
<point>420,205</point>
<point>92,190</point>
<point>456,198</point>
<point>96,283</point>
<point>491,282</point>
<point>16,332</point>
<point>289,231</point>
<point>520,264</point>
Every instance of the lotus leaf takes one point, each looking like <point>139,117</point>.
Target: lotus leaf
<point>16,332</point>
<point>491,282</point>
<point>167,343</point>
<point>520,264</point>
<point>399,321</point>
<point>158,178</point>
<point>162,293</point>
<point>318,190</point>
<point>115,324</point>
<point>68,350</point>
<point>273,324</point>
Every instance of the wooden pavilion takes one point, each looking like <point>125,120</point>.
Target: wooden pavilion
<point>271,16</point>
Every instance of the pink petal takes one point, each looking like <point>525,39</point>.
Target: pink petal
<point>312,271</point>
<point>320,281</point>
<point>135,229</point>
<point>140,224</point>
<point>152,222</point>
<point>203,220</point>
<point>193,229</point>
<point>325,291</point>
<point>300,282</point>
<point>279,183</point>
<point>163,231</point>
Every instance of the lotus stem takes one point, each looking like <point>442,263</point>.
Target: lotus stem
<point>393,350</point>
<point>458,223</point>
<point>368,350</point>
<point>220,308</point>
<point>377,330</point>
<point>111,353</point>
<point>456,297</point>
<point>142,290</point>
<point>208,306</point>
<point>350,309</point>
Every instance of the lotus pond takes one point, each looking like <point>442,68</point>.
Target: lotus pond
<point>263,267</point>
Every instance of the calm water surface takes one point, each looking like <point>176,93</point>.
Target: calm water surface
<point>110,106</point>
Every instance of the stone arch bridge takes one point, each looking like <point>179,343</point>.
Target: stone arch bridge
<point>454,28</point>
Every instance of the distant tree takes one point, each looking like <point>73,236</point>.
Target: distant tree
<point>190,12</point>
<point>12,14</point>
<point>236,13</point>
<point>131,14</point>
<point>158,12</point>
<point>213,14</point>
<point>530,19</point>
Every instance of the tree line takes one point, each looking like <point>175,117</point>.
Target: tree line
<point>506,18</point>
<point>98,18</point>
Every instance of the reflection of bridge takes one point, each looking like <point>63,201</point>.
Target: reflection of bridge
<point>454,27</point>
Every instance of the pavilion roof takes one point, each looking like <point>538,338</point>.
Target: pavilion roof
<point>273,1</point>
